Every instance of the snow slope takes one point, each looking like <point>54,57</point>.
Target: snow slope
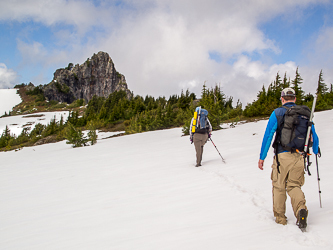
<point>142,191</point>
<point>17,123</point>
<point>8,100</point>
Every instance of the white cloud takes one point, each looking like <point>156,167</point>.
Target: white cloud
<point>325,39</point>
<point>245,78</point>
<point>319,53</point>
<point>8,77</point>
<point>32,53</point>
<point>322,45</point>
<point>36,53</point>
<point>163,46</point>
<point>162,51</point>
<point>82,14</point>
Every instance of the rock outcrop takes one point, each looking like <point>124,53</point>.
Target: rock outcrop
<point>96,76</point>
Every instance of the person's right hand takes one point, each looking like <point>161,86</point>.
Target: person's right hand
<point>261,164</point>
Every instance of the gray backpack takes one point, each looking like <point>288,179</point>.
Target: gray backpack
<point>295,127</point>
<point>292,131</point>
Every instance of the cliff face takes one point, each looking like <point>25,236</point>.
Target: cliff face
<point>96,76</point>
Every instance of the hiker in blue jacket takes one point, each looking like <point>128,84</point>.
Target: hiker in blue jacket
<point>290,175</point>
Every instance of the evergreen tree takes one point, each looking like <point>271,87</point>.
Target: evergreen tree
<point>173,100</point>
<point>75,136</point>
<point>285,82</point>
<point>308,99</point>
<point>260,106</point>
<point>38,129</point>
<point>236,112</point>
<point>324,101</point>
<point>139,105</point>
<point>94,107</point>
<point>92,136</point>
<point>185,100</point>
<point>278,87</point>
<point>298,89</point>
<point>51,129</point>
<point>61,123</point>
<point>37,132</point>
<point>6,132</point>
<point>23,137</point>
<point>204,91</point>
<point>169,116</point>
<point>213,100</point>
<point>322,87</point>
<point>5,137</point>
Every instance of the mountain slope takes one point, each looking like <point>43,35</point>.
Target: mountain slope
<point>9,99</point>
<point>142,191</point>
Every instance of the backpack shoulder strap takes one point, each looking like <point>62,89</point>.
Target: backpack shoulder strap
<point>278,138</point>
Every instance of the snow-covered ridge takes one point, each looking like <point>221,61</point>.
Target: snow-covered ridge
<point>8,99</point>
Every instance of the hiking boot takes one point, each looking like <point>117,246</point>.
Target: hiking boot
<point>198,165</point>
<point>301,220</point>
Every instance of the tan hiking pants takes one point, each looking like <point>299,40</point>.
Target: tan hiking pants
<point>290,179</point>
<point>199,142</point>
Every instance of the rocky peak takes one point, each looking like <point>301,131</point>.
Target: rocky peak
<point>96,76</point>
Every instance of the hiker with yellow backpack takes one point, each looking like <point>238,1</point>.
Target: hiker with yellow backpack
<point>200,131</point>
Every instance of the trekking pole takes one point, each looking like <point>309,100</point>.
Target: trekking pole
<point>307,138</point>
<point>318,181</point>
<point>310,125</point>
<point>217,150</point>
<point>306,146</point>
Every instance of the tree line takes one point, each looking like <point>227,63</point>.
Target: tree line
<point>268,100</point>
<point>139,114</point>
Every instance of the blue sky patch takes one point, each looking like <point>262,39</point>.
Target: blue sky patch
<point>215,56</point>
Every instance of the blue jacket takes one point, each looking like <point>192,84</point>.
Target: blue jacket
<point>272,126</point>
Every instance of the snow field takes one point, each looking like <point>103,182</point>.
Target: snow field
<point>8,100</point>
<point>142,191</point>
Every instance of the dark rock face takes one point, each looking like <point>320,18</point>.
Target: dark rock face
<point>97,76</point>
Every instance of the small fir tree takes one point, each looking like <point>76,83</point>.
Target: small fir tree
<point>92,136</point>
<point>75,136</point>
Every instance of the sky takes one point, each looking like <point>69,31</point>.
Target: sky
<point>165,46</point>
<point>124,194</point>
